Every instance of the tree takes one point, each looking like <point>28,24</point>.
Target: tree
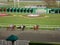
<point>51,3</point>
<point>8,0</point>
<point>12,38</point>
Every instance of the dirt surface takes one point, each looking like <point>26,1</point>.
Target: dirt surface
<point>39,36</point>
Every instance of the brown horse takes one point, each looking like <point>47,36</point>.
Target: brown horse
<point>11,27</point>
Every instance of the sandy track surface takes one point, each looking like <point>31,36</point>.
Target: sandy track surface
<point>40,36</point>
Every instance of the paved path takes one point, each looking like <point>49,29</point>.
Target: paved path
<point>40,36</point>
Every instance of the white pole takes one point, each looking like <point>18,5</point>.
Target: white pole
<point>58,4</point>
<point>18,3</point>
<point>14,3</point>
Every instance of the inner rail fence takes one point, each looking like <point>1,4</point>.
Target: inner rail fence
<point>41,27</point>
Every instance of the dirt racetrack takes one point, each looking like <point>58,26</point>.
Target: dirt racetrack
<point>38,36</point>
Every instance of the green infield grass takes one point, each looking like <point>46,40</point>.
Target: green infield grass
<point>44,20</point>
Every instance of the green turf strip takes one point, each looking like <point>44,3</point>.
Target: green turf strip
<point>52,19</point>
<point>42,44</point>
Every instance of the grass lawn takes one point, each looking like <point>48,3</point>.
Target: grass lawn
<point>34,43</point>
<point>44,20</point>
